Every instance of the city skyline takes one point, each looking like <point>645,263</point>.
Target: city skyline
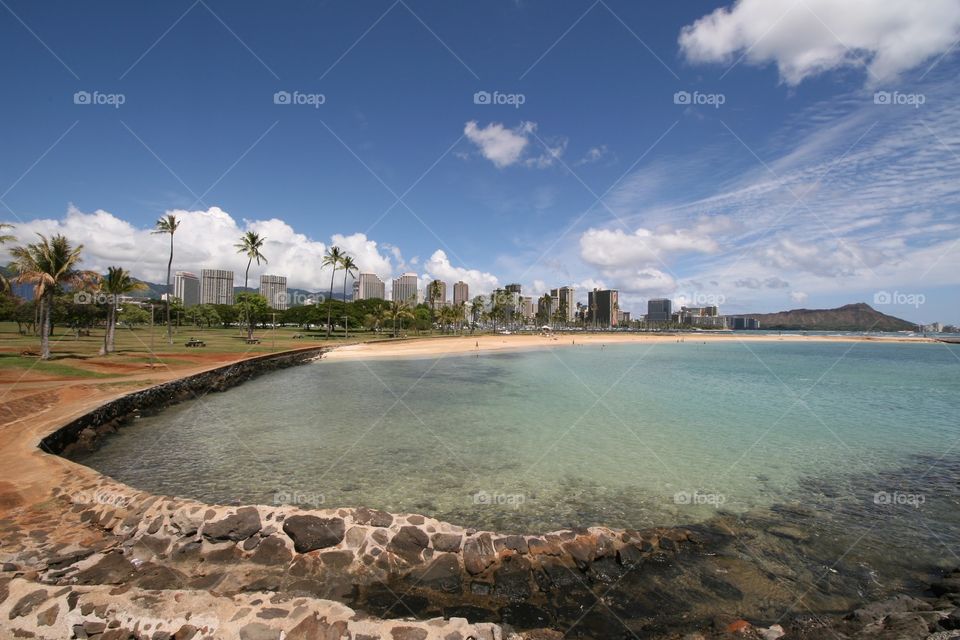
<point>753,175</point>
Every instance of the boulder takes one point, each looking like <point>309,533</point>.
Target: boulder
<point>310,532</point>
<point>409,543</point>
<point>239,526</point>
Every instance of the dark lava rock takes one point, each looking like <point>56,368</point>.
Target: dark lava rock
<point>514,543</point>
<point>112,568</point>
<point>408,633</point>
<point>271,550</point>
<point>409,543</point>
<point>259,631</point>
<point>372,517</point>
<point>26,604</point>
<point>443,574</point>
<point>310,532</point>
<point>340,559</point>
<point>605,570</point>
<point>315,628</point>
<point>478,554</point>
<point>581,550</point>
<point>879,610</point>
<point>447,542</point>
<point>239,526</point>
<point>524,616</point>
<point>512,579</point>
<point>629,555</point>
<point>472,614</point>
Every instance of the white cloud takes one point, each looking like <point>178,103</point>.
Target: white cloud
<point>205,240</point>
<point>594,154</point>
<point>614,248</point>
<point>810,37</point>
<point>501,146</point>
<point>439,267</point>
<point>798,296</point>
<point>505,147</point>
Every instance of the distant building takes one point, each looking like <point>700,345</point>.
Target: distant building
<point>216,286</point>
<point>526,307</point>
<point>603,306</point>
<point>274,289</point>
<point>563,301</point>
<point>434,298</point>
<point>659,310</point>
<point>513,288</point>
<point>461,293</point>
<point>623,318</point>
<point>405,289</point>
<point>368,286</point>
<point>743,324</point>
<point>706,317</point>
<point>186,287</point>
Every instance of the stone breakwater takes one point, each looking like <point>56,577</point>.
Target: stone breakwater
<point>87,430</point>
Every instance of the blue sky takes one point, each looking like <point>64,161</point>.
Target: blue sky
<point>794,182</point>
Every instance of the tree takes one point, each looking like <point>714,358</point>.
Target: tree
<point>434,292</point>
<point>476,308</point>
<point>252,307</point>
<point>48,265</point>
<point>168,224</point>
<point>397,311</point>
<point>460,315</point>
<point>349,268</point>
<point>5,238</point>
<point>332,259</point>
<point>116,283</point>
<point>133,314</point>
<point>250,245</point>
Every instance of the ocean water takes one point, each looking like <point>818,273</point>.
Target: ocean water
<point>625,435</point>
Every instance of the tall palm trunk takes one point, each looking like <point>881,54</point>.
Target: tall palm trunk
<point>108,334</point>
<point>330,301</point>
<point>246,275</point>
<point>45,303</point>
<point>346,329</point>
<point>169,266</point>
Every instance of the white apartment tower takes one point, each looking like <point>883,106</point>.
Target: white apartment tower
<point>405,289</point>
<point>216,286</point>
<point>186,287</point>
<point>368,286</point>
<point>274,289</point>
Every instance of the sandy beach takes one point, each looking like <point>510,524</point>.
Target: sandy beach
<point>454,345</point>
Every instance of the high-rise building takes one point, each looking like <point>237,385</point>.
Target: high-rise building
<point>186,287</point>
<point>405,289</point>
<point>604,306</point>
<point>526,307</point>
<point>436,294</point>
<point>563,301</point>
<point>368,286</point>
<point>513,288</point>
<point>216,286</point>
<point>274,289</point>
<point>461,292</point>
<point>659,310</point>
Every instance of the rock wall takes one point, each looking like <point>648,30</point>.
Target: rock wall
<point>86,431</point>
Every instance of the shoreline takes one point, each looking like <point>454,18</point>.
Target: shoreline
<point>441,346</point>
<point>76,519</point>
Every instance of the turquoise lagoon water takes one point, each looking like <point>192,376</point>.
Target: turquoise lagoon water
<point>626,435</point>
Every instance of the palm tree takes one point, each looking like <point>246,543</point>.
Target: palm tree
<point>349,269</point>
<point>48,265</point>
<point>116,283</point>
<point>332,259</point>
<point>460,313</point>
<point>434,293</point>
<point>398,311</point>
<point>4,238</point>
<point>476,309</point>
<point>250,245</point>
<point>168,224</point>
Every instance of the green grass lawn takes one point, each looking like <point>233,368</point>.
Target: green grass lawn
<point>78,356</point>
